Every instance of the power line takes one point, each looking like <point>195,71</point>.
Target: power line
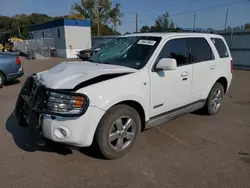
<point>203,9</point>
<point>172,5</point>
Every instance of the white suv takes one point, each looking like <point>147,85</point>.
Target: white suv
<point>134,83</point>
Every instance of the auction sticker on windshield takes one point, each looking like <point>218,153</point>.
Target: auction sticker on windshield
<point>147,42</point>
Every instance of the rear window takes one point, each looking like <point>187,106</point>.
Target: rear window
<point>200,50</point>
<point>221,47</point>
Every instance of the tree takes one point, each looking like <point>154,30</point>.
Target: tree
<point>109,14</point>
<point>145,29</point>
<point>247,26</point>
<point>106,30</point>
<point>76,16</point>
<point>127,33</point>
<point>162,23</point>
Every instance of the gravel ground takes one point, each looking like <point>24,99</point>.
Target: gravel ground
<point>191,151</point>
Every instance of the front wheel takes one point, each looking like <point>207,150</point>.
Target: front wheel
<point>214,99</point>
<point>117,131</point>
<point>2,79</point>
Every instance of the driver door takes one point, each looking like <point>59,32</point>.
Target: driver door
<point>171,89</point>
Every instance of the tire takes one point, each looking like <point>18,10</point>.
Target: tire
<point>214,99</point>
<point>111,131</point>
<point>2,80</point>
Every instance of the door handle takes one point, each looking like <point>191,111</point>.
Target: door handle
<point>184,74</point>
<point>213,67</point>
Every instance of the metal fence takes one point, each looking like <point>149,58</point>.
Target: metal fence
<point>239,44</point>
<point>41,46</point>
<point>20,46</point>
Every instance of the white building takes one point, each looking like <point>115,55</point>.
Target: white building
<point>70,35</point>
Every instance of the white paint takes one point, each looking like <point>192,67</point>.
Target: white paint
<point>68,74</point>
<point>144,86</point>
<point>70,40</point>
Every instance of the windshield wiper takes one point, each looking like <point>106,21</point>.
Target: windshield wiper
<point>106,62</point>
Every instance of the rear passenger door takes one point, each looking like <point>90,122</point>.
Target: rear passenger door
<point>204,66</point>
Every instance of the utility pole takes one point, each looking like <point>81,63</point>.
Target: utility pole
<point>194,20</point>
<point>225,27</point>
<point>98,21</point>
<point>98,9</point>
<point>19,32</point>
<point>136,23</point>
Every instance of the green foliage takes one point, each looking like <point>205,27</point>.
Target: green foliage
<point>18,25</point>
<point>162,23</point>
<point>110,15</point>
<point>145,29</point>
<point>247,26</point>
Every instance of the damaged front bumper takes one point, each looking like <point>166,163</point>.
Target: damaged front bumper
<point>76,129</point>
<point>29,97</point>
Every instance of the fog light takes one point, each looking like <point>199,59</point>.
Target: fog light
<point>62,132</point>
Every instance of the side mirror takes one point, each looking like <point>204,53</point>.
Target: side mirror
<point>166,64</point>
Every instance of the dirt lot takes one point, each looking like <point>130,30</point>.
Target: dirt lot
<point>191,151</point>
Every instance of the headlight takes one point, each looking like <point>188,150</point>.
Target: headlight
<point>61,103</point>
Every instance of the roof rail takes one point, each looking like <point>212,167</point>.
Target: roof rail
<point>190,30</point>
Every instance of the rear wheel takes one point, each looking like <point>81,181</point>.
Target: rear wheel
<point>117,131</point>
<point>2,79</point>
<point>214,99</point>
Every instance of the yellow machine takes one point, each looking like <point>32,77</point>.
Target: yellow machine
<point>10,44</point>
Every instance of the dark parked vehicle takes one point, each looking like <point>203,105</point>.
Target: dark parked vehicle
<point>10,67</point>
<point>86,54</point>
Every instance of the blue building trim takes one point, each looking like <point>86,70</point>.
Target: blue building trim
<point>61,22</point>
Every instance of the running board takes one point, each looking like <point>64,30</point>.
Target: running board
<point>165,117</point>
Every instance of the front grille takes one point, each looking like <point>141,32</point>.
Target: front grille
<point>33,94</point>
<point>34,97</point>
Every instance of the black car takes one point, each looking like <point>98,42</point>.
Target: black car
<point>86,54</point>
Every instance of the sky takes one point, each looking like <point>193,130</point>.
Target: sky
<point>209,13</point>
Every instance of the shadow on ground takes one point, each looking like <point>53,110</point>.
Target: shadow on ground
<point>23,140</point>
<point>12,82</point>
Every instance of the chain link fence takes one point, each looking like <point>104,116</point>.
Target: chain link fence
<point>41,46</point>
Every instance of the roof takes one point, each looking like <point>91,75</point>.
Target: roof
<point>61,22</point>
<point>105,37</point>
<point>171,34</point>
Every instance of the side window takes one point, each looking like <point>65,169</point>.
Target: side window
<point>177,49</point>
<point>200,50</point>
<point>221,47</point>
<point>58,33</point>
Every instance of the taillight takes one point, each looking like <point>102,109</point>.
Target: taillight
<point>18,61</point>
<point>231,66</point>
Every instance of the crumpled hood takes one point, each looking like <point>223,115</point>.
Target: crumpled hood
<point>67,75</point>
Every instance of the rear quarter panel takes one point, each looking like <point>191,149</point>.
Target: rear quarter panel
<point>8,64</point>
<point>223,64</point>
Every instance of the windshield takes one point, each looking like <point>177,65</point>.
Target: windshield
<point>133,52</point>
<point>98,45</point>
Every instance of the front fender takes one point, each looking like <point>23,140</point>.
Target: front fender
<point>135,98</point>
<point>131,87</point>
